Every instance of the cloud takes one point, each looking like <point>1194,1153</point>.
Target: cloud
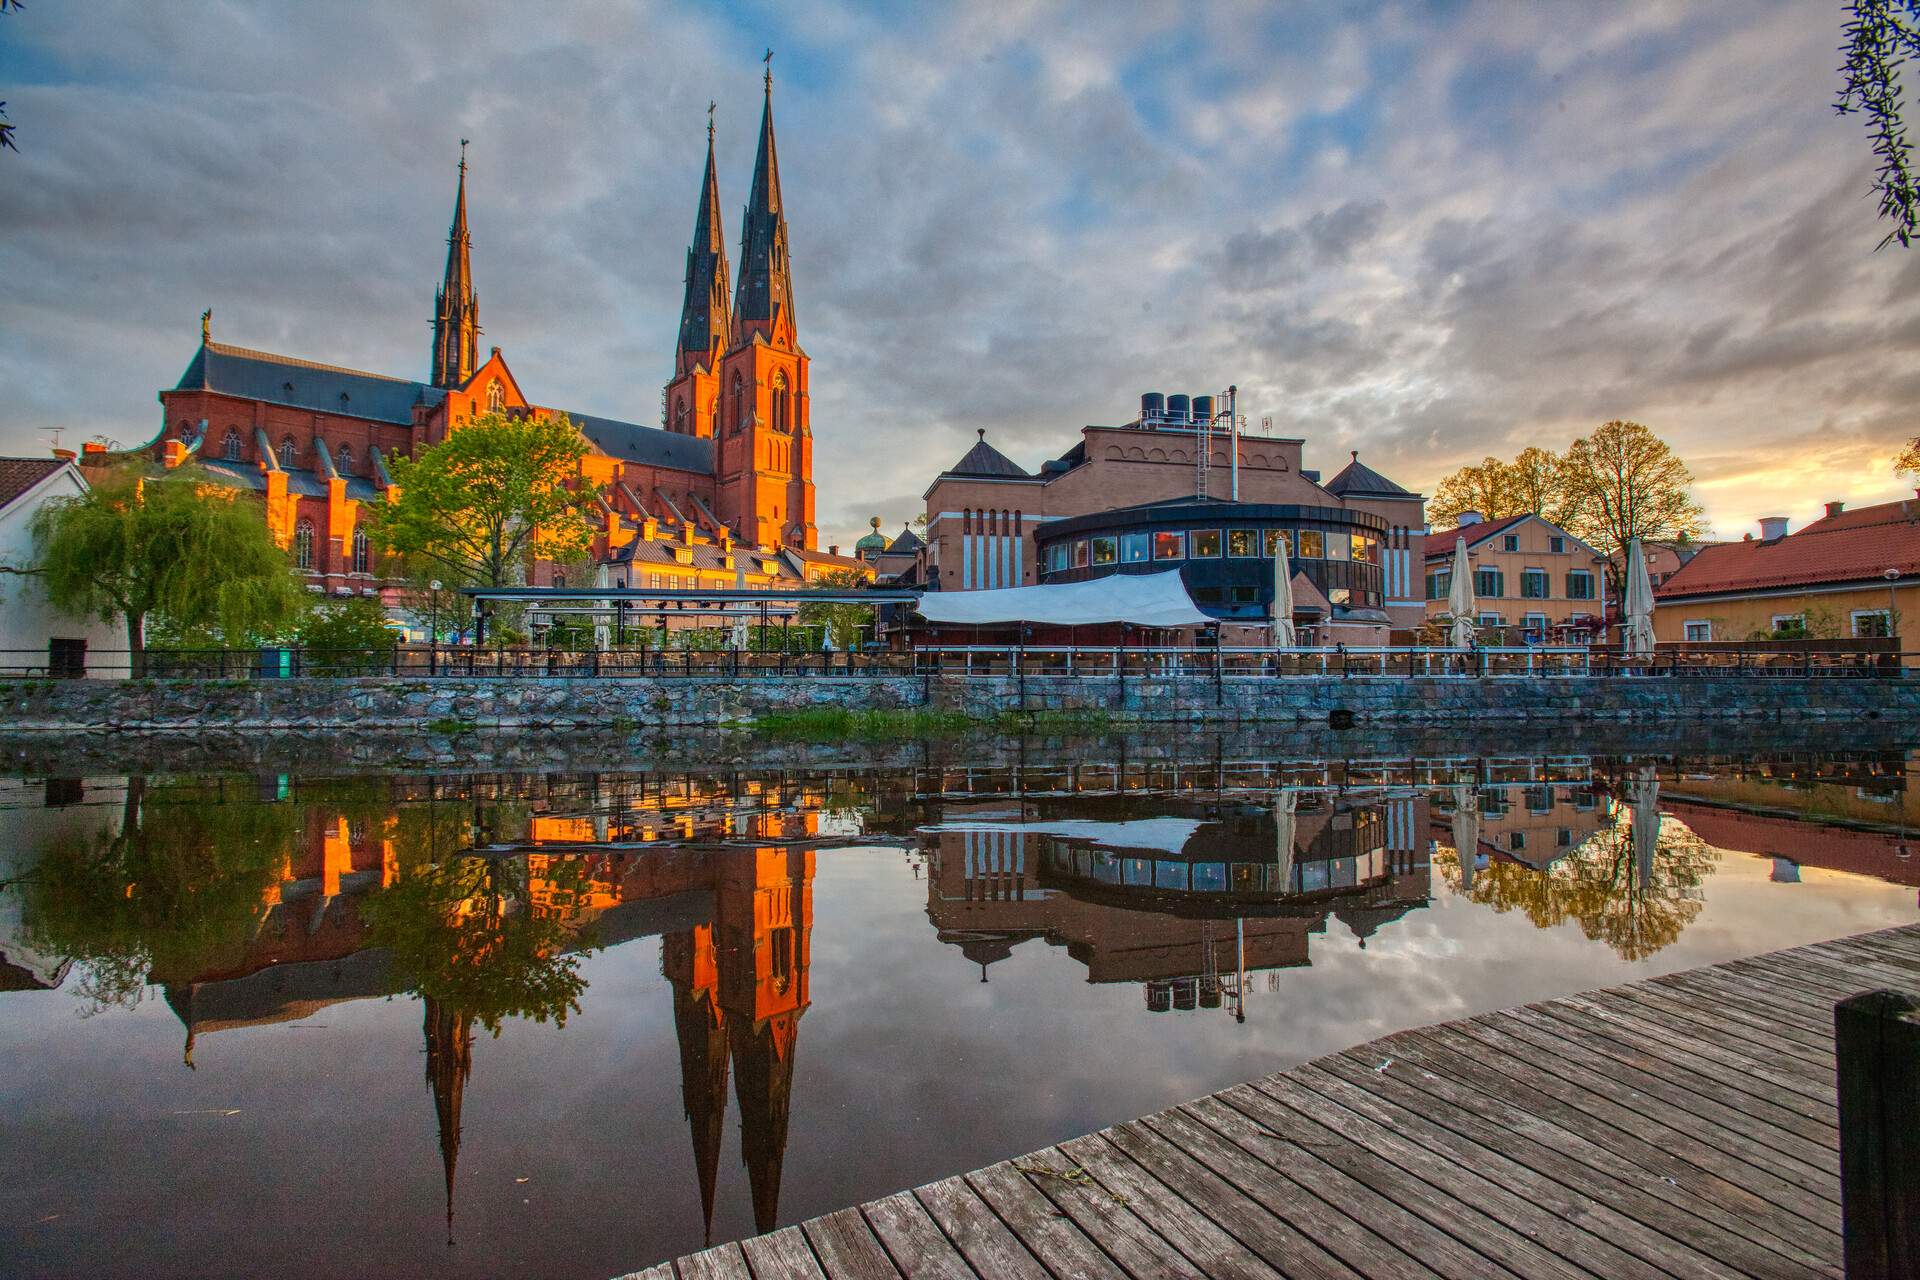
<point>1428,234</point>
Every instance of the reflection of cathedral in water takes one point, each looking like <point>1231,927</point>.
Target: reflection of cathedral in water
<point>1183,895</point>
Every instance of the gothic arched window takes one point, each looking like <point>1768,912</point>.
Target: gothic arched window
<point>287,452</point>
<point>739,405</point>
<point>680,415</point>
<point>303,543</point>
<point>230,448</point>
<point>343,459</point>
<point>496,396</point>
<point>781,422</point>
<point>362,552</point>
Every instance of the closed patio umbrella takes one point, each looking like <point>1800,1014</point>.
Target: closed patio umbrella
<point>1283,839</point>
<point>1283,633</point>
<point>1638,631</point>
<point>1466,832</point>
<point>1643,793</point>
<point>1460,601</point>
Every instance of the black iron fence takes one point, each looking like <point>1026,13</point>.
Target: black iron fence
<point>413,661</point>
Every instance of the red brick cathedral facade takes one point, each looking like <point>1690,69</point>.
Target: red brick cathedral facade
<point>732,466</point>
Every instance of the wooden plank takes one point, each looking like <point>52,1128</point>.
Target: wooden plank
<point>1104,1216</point>
<point>1868,950</point>
<point>1730,1105</point>
<point>1598,1079</point>
<point>1731,1041</point>
<point>1664,1240</point>
<point>1783,1216</point>
<point>1211,1250</point>
<point>1244,1152</point>
<point>1506,1229</point>
<point>846,1248</point>
<point>1787,1087</point>
<point>1577,1162</point>
<point>913,1240</point>
<point>1044,1231</point>
<point>977,1232</point>
<point>662,1271</point>
<point>1246,1219</point>
<point>781,1255</point>
<point>1739,1010</point>
<point>722,1262</point>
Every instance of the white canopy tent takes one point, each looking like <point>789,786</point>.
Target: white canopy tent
<point>1142,599</point>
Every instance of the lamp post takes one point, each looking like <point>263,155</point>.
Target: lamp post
<point>1892,576</point>
<point>433,628</point>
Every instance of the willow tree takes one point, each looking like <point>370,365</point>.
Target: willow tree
<point>174,548</point>
<point>497,492</point>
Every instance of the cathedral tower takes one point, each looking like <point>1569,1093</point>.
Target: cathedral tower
<point>763,463</point>
<point>706,316</point>
<point>456,307</point>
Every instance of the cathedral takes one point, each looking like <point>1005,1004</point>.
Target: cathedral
<point>719,495</point>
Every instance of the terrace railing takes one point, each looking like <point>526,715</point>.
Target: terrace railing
<point>1089,662</point>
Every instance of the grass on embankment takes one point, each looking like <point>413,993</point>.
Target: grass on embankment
<point>827,724</point>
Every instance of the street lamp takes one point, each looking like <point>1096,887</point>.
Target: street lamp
<point>1892,576</point>
<point>433,627</point>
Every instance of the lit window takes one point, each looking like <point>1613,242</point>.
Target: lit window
<point>1080,554</point>
<point>1242,542</point>
<point>1270,544</point>
<point>1313,544</point>
<point>1340,595</point>
<point>1106,550</point>
<point>1206,542</point>
<point>1133,548</point>
<point>1169,545</point>
<point>1365,548</point>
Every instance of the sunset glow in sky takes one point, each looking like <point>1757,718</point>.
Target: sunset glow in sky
<point>1426,232</point>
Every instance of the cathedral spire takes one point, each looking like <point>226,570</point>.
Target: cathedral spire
<point>706,322</point>
<point>764,302</point>
<point>456,307</point>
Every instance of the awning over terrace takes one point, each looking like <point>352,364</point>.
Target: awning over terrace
<point>1143,599</point>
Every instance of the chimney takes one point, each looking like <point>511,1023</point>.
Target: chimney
<point>1772,527</point>
<point>1835,508</point>
<point>833,548</point>
<point>1470,517</point>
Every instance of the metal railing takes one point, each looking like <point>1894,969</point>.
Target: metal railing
<point>1090,662</point>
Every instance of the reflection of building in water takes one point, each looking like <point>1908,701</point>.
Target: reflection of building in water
<point>1798,842</point>
<point>1539,823</point>
<point>1177,900</point>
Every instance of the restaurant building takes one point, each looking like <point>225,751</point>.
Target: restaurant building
<point>1533,582</point>
<point>1178,486</point>
<point>1848,575</point>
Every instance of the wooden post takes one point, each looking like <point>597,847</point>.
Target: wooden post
<point>1877,1047</point>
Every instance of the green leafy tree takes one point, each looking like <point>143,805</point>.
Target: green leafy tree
<point>843,621</point>
<point>1878,38</point>
<point>176,890</point>
<point>1625,482</point>
<point>1487,487</point>
<point>497,492</point>
<point>348,638</point>
<point>188,552</point>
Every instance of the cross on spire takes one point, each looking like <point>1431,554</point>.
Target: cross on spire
<point>767,58</point>
<point>711,104</point>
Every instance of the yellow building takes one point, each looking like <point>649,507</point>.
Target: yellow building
<point>1848,575</point>
<point>1532,580</point>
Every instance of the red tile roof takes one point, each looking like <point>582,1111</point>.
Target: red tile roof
<point>1440,541</point>
<point>1853,546</point>
<point>17,475</point>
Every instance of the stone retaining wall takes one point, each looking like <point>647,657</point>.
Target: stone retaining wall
<point>383,703</point>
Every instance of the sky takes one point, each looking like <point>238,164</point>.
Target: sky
<point>1427,232</point>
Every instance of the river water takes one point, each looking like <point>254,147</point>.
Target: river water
<point>568,1023</point>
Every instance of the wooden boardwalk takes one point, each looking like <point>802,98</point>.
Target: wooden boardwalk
<point>1680,1126</point>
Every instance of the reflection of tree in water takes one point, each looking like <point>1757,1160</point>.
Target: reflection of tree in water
<point>179,886</point>
<point>1596,885</point>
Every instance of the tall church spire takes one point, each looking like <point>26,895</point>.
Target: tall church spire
<point>763,303</point>
<point>456,307</point>
<point>706,320</point>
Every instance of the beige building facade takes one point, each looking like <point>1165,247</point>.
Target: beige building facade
<point>1533,581</point>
